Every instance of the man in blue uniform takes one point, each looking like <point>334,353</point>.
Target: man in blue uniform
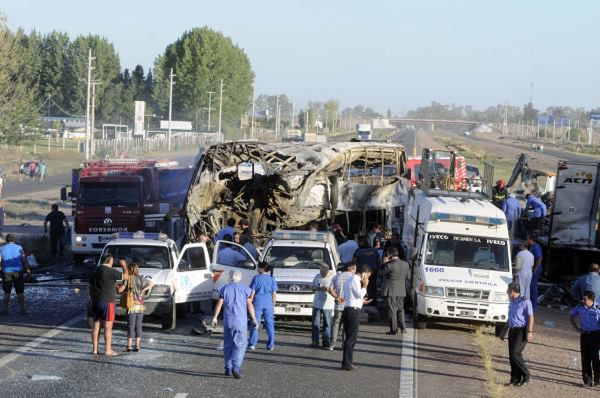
<point>512,210</point>
<point>234,298</point>
<point>263,296</point>
<point>228,255</point>
<point>538,267</point>
<point>539,212</point>
<point>13,263</point>
<point>589,327</point>
<point>520,331</point>
<point>228,230</point>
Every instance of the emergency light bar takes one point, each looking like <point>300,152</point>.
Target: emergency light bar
<point>469,219</point>
<point>140,235</point>
<point>300,235</point>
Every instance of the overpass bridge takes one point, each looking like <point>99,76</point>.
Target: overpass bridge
<point>433,122</point>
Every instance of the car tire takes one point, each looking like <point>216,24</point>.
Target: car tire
<point>418,320</point>
<point>78,259</point>
<point>169,320</point>
<point>498,328</point>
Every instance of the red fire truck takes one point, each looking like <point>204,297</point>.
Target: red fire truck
<point>122,195</point>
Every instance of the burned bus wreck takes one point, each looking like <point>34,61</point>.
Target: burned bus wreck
<point>287,185</point>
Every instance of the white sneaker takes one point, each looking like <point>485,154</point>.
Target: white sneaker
<point>252,347</point>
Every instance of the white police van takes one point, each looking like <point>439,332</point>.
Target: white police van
<point>179,276</point>
<point>460,256</point>
<point>295,258</point>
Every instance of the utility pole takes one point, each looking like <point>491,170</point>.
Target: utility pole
<point>93,144</point>
<point>277,118</point>
<point>171,76</point>
<point>220,107</point>
<point>505,124</point>
<point>253,112</point>
<point>210,93</point>
<point>87,107</point>
<point>306,122</point>
<point>292,125</point>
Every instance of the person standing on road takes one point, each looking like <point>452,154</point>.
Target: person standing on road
<point>369,256</point>
<point>323,305</point>
<point>520,331</point>
<point>588,312</point>
<point>355,291</point>
<point>347,249</point>
<point>42,169</point>
<point>512,210</point>
<point>538,267</point>
<point>228,230</point>
<point>58,227</point>
<point>13,263</point>
<point>32,169</point>
<point>235,300</point>
<point>348,271</point>
<point>589,282</point>
<point>524,268</point>
<point>135,315</point>
<point>263,296</point>
<point>103,288</point>
<point>395,273</point>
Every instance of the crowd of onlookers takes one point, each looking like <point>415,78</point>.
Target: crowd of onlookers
<point>32,168</point>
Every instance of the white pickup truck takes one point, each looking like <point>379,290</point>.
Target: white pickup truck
<point>189,275</point>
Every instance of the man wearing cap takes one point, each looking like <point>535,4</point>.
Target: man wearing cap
<point>520,331</point>
<point>499,194</point>
<point>588,312</point>
<point>246,230</point>
<point>235,300</point>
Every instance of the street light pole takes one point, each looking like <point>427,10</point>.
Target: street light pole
<point>171,76</point>
<point>210,93</point>
<point>220,107</point>
<point>87,106</point>
<point>93,145</point>
<point>253,112</point>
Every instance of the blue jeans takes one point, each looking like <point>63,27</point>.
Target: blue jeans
<point>264,310</point>
<point>535,278</point>
<point>234,347</point>
<point>316,326</point>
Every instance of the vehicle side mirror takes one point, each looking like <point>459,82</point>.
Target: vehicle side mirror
<point>407,174</point>
<point>247,264</point>
<point>63,194</point>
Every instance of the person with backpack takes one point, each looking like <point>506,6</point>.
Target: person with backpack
<point>137,287</point>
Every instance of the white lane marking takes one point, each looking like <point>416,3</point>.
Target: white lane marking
<point>181,395</point>
<point>5,360</point>
<point>408,364</point>
<point>44,378</point>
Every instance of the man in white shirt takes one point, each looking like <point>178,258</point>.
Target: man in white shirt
<point>339,280</point>
<point>347,249</point>
<point>524,269</point>
<point>323,304</point>
<point>355,291</point>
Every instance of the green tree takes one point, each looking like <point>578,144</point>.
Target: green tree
<point>18,113</point>
<point>201,58</point>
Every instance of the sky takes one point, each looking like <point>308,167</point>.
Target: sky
<point>386,54</point>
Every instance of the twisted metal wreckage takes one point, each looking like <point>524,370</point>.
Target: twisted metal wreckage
<point>287,185</point>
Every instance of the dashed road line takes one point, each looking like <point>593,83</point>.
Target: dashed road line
<point>408,364</point>
<point>181,395</point>
<point>5,360</point>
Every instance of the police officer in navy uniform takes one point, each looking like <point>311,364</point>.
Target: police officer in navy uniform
<point>520,331</point>
<point>588,312</point>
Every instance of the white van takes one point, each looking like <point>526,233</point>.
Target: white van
<point>295,258</point>
<point>460,257</point>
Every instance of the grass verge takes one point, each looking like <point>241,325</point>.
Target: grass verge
<point>483,342</point>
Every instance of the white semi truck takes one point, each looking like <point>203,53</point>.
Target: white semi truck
<point>364,132</point>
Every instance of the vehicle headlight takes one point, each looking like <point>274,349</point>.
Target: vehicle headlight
<point>434,291</point>
<point>500,297</point>
<point>163,290</point>
<point>80,238</point>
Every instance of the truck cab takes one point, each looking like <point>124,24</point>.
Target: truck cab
<point>460,256</point>
<point>179,276</point>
